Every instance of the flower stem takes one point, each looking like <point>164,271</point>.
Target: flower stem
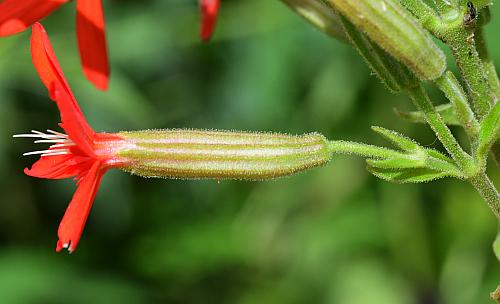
<point>446,6</point>
<point>488,192</point>
<point>488,64</point>
<point>472,70</point>
<point>450,86</point>
<point>349,147</point>
<point>425,14</point>
<point>422,102</point>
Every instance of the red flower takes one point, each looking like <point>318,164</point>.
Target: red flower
<point>80,153</point>
<point>17,15</point>
<point>209,9</point>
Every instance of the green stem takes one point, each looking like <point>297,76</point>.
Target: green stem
<point>488,192</point>
<point>349,147</point>
<point>422,102</point>
<point>450,86</point>
<point>446,7</point>
<point>472,70</point>
<point>489,68</point>
<point>425,14</point>
<point>488,64</point>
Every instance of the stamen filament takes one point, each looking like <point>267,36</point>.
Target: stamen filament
<point>50,141</point>
<point>45,152</point>
<point>58,140</point>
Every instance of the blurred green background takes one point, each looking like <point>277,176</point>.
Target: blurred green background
<point>330,235</point>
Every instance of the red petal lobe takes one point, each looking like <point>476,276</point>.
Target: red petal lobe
<point>209,9</point>
<point>58,166</point>
<point>17,15</point>
<point>75,217</point>
<point>92,42</point>
<point>50,72</point>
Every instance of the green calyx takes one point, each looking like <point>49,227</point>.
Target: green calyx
<point>396,31</point>
<point>200,154</point>
<point>320,15</point>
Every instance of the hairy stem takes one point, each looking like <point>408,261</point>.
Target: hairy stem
<point>446,7</point>
<point>422,102</point>
<point>349,147</point>
<point>488,192</point>
<point>425,14</point>
<point>488,64</point>
<point>450,86</point>
<point>472,70</point>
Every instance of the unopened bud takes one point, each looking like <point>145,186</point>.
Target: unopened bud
<point>393,74</point>
<point>395,30</point>
<point>320,15</point>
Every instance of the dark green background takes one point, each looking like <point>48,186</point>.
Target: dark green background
<point>331,235</point>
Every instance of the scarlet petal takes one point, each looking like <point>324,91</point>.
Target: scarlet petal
<point>209,9</point>
<point>17,15</point>
<point>73,222</point>
<point>50,72</point>
<point>58,166</point>
<point>92,42</point>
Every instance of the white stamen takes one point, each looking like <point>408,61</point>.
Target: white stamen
<point>62,145</point>
<point>49,141</point>
<point>56,153</point>
<point>46,152</point>
<point>58,140</point>
<point>57,133</point>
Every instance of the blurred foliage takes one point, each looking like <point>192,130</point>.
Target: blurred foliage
<point>332,235</point>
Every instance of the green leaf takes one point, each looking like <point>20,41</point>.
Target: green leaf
<point>398,139</point>
<point>396,163</point>
<point>447,112</point>
<point>438,155</point>
<point>488,131</point>
<point>410,175</point>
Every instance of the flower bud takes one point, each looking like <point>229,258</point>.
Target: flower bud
<point>396,31</point>
<point>393,74</point>
<point>320,15</point>
<point>193,154</point>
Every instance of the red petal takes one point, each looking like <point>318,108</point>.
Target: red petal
<point>92,42</point>
<point>71,227</point>
<point>209,9</point>
<point>17,15</point>
<point>50,72</point>
<point>59,166</point>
